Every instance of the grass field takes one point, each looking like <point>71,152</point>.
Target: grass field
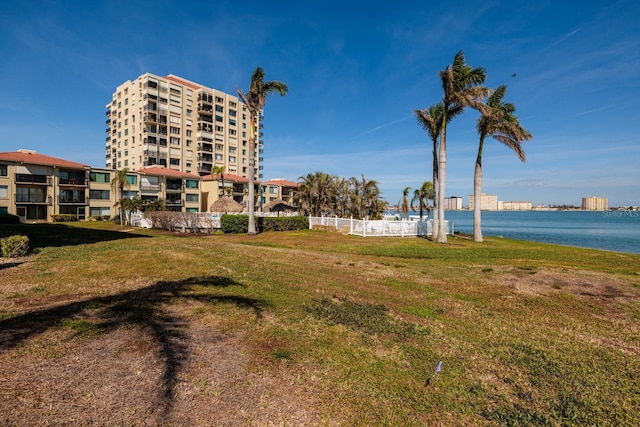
<point>107,325</point>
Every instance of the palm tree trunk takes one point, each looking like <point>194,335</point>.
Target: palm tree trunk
<point>436,181</point>
<point>477,195</point>
<point>442,170</point>
<point>251,230</point>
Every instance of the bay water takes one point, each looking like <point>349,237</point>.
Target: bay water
<point>607,230</point>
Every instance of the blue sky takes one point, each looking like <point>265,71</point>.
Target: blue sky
<point>355,71</point>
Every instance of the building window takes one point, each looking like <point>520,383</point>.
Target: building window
<point>99,194</point>
<point>3,170</point>
<point>232,122</point>
<point>192,210</point>
<point>99,177</point>
<point>219,119</point>
<point>273,190</point>
<point>4,210</point>
<point>4,192</point>
<point>191,197</point>
<point>219,108</point>
<point>219,157</point>
<point>132,179</point>
<point>191,183</point>
<point>175,162</point>
<point>232,159</point>
<point>174,129</point>
<point>99,212</point>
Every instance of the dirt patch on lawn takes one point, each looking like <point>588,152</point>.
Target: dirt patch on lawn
<point>194,376</point>
<point>582,283</point>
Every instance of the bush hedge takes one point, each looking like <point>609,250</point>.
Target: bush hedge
<point>285,223</point>
<point>240,223</point>
<point>63,217</point>
<point>14,246</point>
<point>9,219</point>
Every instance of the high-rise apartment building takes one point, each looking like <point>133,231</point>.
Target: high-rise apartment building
<point>594,203</point>
<point>178,124</point>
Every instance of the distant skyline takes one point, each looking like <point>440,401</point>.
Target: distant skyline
<point>355,71</point>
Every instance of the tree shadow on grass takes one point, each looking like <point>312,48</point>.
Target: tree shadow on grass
<point>145,308</point>
<point>56,234</point>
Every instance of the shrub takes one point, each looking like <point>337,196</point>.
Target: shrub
<point>285,223</point>
<point>235,223</point>
<point>163,220</point>
<point>63,217</point>
<point>14,246</point>
<point>9,219</point>
<point>240,223</point>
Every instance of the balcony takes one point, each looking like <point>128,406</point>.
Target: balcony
<point>205,157</point>
<point>173,202</point>
<point>150,118</point>
<point>149,187</point>
<point>22,178</point>
<point>33,198</point>
<point>76,199</point>
<point>204,167</point>
<point>205,147</point>
<point>174,187</point>
<point>78,182</point>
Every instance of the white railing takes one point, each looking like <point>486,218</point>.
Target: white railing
<point>384,227</point>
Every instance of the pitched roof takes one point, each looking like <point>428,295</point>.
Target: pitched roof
<point>228,177</point>
<point>282,182</point>
<point>162,171</point>
<point>225,204</point>
<point>33,158</point>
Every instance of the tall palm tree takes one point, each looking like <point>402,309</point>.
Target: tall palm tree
<point>462,87</point>
<point>255,100</point>
<point>120,182</point>
<point>422,196</point>
<point>431,121</point>
<point>405,200</point>
<point>500,123</point>
<point>219,170</point>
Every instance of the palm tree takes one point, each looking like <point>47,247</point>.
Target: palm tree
<point>120,182</point>
<point>255,100</point>
<point>405,201</point>
<point>431,121</point>
<point>422,196</point>
<point>499,122</point>
<point>462,87</point>
<point>219,170</point>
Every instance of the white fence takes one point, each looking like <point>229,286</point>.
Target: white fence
<point>384,227</point>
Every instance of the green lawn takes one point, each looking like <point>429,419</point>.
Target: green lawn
<point>350,328</point>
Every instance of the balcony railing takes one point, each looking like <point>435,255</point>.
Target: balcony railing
<point>73,181</point>
<point>149,187</point>
<point>175,187</point>
<point>174,202</point>
<point>78,199</point>
<point>32,198</point>
<point>22,178</point>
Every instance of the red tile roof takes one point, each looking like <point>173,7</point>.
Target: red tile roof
<point>162,171</point>
<point>227,177</point>
<point>33,158</point>
<point>282,182</point>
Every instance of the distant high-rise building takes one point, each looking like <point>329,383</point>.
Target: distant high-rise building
<point>594,203</point>
<point>181,125</point>
<point>488,202</point>
<point>453,203</point>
